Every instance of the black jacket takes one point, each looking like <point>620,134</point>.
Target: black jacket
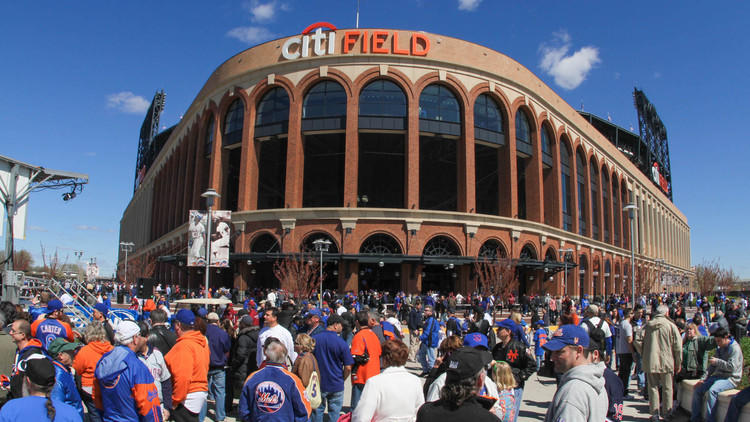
<point>415,319</point>
<point>110,332</point>
<point>475,409</point>
<point>243,356</point>
<point>516,355</point>
<point>162,338</point>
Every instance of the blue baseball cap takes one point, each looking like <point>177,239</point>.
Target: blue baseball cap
<point>567,335</point>
<point>102,307</point>
<point>476,340</point>
<point>54,305</point>
<point>508,324</point>
<point>313,312</point>
<point>185,316</point>
<point>202,312</point>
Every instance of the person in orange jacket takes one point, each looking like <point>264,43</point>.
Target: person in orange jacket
<point>188,363</point>
<point>85,363</point>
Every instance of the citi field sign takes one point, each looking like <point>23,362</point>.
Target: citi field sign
<point>314,41</point>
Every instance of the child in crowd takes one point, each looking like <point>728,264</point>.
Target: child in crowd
<point>505,406</point>
<point>540,338</point>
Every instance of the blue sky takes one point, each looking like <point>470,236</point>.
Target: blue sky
<point>76,78</point>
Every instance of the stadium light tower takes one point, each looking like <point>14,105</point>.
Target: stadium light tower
<point>126,247</point>
<point>210,195</point>
<point>631,208</point>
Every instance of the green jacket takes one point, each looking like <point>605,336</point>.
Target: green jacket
<point>695,353</point>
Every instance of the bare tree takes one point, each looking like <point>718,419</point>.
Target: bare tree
<point>707,276</point>
<point>22,260</point>
<point>727,280</point>
<point>298,274</point>
<point>51,264</point>
<point>496,276</point>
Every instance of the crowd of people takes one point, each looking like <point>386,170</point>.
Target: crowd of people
<point>282,359</point>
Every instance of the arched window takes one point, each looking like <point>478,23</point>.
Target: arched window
<point>488,120</point>
<point>380,244</point>
<point>265,243</point>
<point>523,134</point>
<point>527,253</point>
<point>582,268</point>
<point>323,124</point>
<point>582,193</point>
<point>272,116</point>
<point>594,180</point>
<point>437,102</point>
<point>550,202</point>
<point>550,256</point>
<point>441,246</point>
<point>309,246</point>
<point>547,159</point>
<point>233,122</point>
<point>492,249</point>
<point>565,181</point>
<point>440,127</point>
<point>382,145</point>
<point>271,127</point>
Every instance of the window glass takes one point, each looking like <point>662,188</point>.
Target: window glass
<point>326,99</point>
<point>382,98</point>
<point>438,103</point>
<point>209,137</point>
<point>565,179</point>
<point>523,132</point>
<point>233,122</point>
<point>581,187</point>
<point>546,143</point>
<point>273,108</point>
<point>487,114</point>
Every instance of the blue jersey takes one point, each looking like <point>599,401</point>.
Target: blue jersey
<point>33,408</point>
<point>273,393</point>
<point>47,330</point>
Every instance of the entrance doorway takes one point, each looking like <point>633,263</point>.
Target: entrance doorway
<point>385,278</point>
<point>438,278</point>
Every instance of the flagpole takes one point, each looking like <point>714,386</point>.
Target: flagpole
<point>357,14</point>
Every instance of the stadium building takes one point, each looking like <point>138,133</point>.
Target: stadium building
<point>416,155</point>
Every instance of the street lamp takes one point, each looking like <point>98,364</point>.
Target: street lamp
<point>125,247</point>
<point>210,194</point>
<point>79,255</point>
<point>321,245</point>
<point>564,255</point>
<point>630,208</point>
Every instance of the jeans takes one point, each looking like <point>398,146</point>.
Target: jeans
<point>735,406</point>
<point>426,357</point>
<point>518,394</point>
<point>639,372</point>
<point>539,360</point>
<point>713,386</point>
<point>217,380</point>
<point>335,402</point>
<point>626,365</point>
<point>356,395</point>
<point>93,414</point>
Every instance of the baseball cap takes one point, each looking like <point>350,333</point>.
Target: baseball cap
<point>247,320</point>
<point>539,322</point>
<point>40,371</point>
<point>476,340</point>
<point>567,335</point>
<point>465,363</point>
<point>102,307</point>
<point>54,305</point>
<point>185,316</point>
<point>213,316</point>
<point>125,331</point>
<point>60,345</point>
<point>313,312</point>
<point>202,312</point>
<point>508,324</point>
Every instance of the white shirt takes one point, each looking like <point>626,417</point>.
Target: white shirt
<point>340,310</point>
<point>284,336</point>
<point>380,401</point>
<point>595,320</point>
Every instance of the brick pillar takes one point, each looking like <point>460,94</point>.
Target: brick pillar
<point>466,161</point>
<point>295,156</point>
<point>412,156</point>
<point>534,188</point>
<point>248,186</point>
<point>351,154</point>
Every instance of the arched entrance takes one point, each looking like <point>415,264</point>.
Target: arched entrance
<point>527,275</point>
<point>596,289</point>
<point>261,272</point>
<point>442,276</point>
<point>550,258</point>
<point>330,269</point>
<point>608,278</point>
<point>377,269</point>
<point>582,267</point>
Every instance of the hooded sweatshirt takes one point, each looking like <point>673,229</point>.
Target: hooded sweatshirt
<point>86,360</point>
<point>580,396</point>
<point>188,363</point>
<point>124,389</point>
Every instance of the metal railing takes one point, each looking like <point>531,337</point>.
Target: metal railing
<point>80,311</point>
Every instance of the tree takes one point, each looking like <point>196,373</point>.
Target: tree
<point>707,276</point>
<point>298,274</point>
<point>496,276</point>
<point>51,264</point>
<point>727,280</point>
<point>22,260</point>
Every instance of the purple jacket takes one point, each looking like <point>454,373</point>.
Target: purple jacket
<point>219,344</point>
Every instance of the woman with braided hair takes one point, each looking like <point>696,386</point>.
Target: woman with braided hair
<point>36,404</point>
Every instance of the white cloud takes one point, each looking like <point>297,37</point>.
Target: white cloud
<point>127,102</point>
<point>250,34</point>
<point>263,12</point>
<point>85,227</point>
<point>568,70</point>
<point>468,4</point>
<point>37,229</point>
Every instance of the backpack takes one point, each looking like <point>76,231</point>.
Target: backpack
<point>595,332</point>
<point>313,391</point>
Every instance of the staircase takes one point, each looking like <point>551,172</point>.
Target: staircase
<point>79,311</point>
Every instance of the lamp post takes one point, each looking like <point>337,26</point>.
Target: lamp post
<point>565,253</point>
<point>210,195</point>
<point>126,247</point>
<point>321,245</point>
<point>630,208</point>
<point>79,255</point>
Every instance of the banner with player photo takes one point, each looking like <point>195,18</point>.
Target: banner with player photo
<point>221,223</point>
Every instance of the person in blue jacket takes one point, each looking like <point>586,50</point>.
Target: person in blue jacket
<point>429,338</point>
<point>273,393</point>
<point>65,389</point>
<point>124,388</point>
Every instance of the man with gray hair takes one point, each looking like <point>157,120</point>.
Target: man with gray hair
<point>273,393</point>
<point>662,359</point>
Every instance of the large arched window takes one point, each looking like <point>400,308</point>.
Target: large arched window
<point>441,246</point>
<point>547,159</point>
<point>382,145</point>
<point>440,127</point>
<point>524,154</point>
<point>323,125</point>
<point>492,249</point>
<point>565,181</point>
<point>551,209</point>
<point>265,243</point>
<point>582,192</point>
<point>594,181</point>
<point>271,126</point>
<point>380,244</point>
<point>309,246</point>
<point>489,137</point>
<point>233,122</point>
<point>605,205</point>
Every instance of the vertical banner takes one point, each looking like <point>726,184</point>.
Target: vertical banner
<point>220,235</point>
<point>221,224</point>
<point>92,271</point>
<point>196,239</point>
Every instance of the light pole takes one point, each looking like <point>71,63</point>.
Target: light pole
<point>321,245</point>
<point>630,208</point>
<point>79,255</point>
<point>564,253</point>
<point>126,247</point>
<point>210,194</point>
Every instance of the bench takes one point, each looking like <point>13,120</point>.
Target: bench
<point>685,396</point>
